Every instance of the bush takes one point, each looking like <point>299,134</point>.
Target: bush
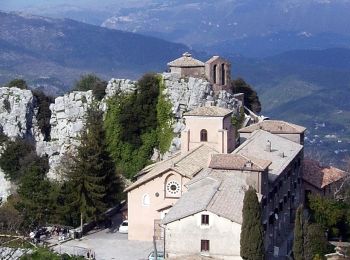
<point>251,99</point>
<point>7,105</point>
<point>136,123</point>
<point>14,157</point>
<point>17,83</point>
<point>94,83</point>
<point>44,113</point>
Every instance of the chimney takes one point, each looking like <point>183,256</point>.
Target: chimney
<point>248,164</point>
<point>268,146</point>
<point>281,154</point>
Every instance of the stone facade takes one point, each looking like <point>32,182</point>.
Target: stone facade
<point>218,73</point>
<point>216,70</point>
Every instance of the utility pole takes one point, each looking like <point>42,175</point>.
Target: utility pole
<point>155,248</point>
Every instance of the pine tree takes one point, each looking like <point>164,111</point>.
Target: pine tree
<point>34,190</point>
<point>299,234</point>
<point>92,174</point>
<point>252,236</point>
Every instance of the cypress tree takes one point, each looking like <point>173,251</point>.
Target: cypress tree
<point>299,234</point>
<point>92,173</point>
<point>252,235</point>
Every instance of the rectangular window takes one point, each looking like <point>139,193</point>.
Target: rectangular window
<point>205,219</point>
<point>204,245</point>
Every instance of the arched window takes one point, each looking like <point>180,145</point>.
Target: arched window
<point>214,73</point>
<point>223,74</point>
<point>146,200</point>
<point>204,135</point>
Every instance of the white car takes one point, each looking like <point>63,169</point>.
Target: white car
<point>124,227</point>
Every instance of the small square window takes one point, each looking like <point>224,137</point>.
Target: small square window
<point>205,219</point>
<point>204,245</point>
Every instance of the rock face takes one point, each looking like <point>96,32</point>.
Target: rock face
<point>68,120</point>
<point>18,111</point>
<point>188,93</point>
<point>5,187</point>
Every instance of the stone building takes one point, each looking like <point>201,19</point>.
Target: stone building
<point>206,221</point>
<point>218,73</point>
<point>187,66</point>
<point>322,180</point>
<point>216,70</point>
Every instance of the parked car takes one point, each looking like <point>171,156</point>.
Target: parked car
<point>160,256</point>
<point>124,227</point>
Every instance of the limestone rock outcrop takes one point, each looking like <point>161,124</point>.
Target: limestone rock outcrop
<point>18,111</point>
<point>188,93</point>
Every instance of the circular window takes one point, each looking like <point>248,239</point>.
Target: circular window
<point>173,187</point>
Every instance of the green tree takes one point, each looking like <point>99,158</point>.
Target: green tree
<point>315,241</point>
<point>13,160</point>
<point>252,235</point>
<point>34,192</point>
<point>331,214</point>
<point>131,125</point>
<point>251,99</point>
<point>44,113</point>
<point>18,83</point>
<point>92,176</point>
<point>92,82</point>
<point>299,234</point>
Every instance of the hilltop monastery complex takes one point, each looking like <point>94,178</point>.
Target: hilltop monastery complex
<point>193,201</point>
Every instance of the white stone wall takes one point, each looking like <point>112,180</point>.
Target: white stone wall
<point>183,237</point>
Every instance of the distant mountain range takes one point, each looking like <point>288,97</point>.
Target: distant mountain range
<point>40,48</point>
<point>309,87</point>
<point>252,28</point>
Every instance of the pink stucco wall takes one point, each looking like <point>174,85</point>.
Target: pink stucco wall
<point>141,217</point>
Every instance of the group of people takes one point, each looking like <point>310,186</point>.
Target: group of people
<point>90,255</point>
<point>47,232</point>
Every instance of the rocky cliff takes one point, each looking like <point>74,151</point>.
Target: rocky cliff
<point>18,109</point>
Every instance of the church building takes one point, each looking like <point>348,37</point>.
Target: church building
<point>160,185</point>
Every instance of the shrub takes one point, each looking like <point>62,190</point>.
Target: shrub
<point>44,113</point>
<point>14,157</point>
<point>251,99</point>
<point>7,105</point>
<point>94,83</point>
<point>17,83</point>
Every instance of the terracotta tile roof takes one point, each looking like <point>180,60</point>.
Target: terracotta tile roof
<point>219,192</point>
<point>320,176</point>
<point>275,127</point>
<point>186,61</point>
<point>237,162</point>
<point>209,111</point>
<point>187,165</point>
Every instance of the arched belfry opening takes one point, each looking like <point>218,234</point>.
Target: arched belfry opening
<point>218,73</point>
<point>223,74</point>
<point>214,73</point>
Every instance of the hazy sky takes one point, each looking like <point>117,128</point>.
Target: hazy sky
<point>23,4</point>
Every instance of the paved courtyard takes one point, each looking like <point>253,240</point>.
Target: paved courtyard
<point>108,245</point>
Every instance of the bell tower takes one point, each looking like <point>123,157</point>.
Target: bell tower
<point>211,126</point>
